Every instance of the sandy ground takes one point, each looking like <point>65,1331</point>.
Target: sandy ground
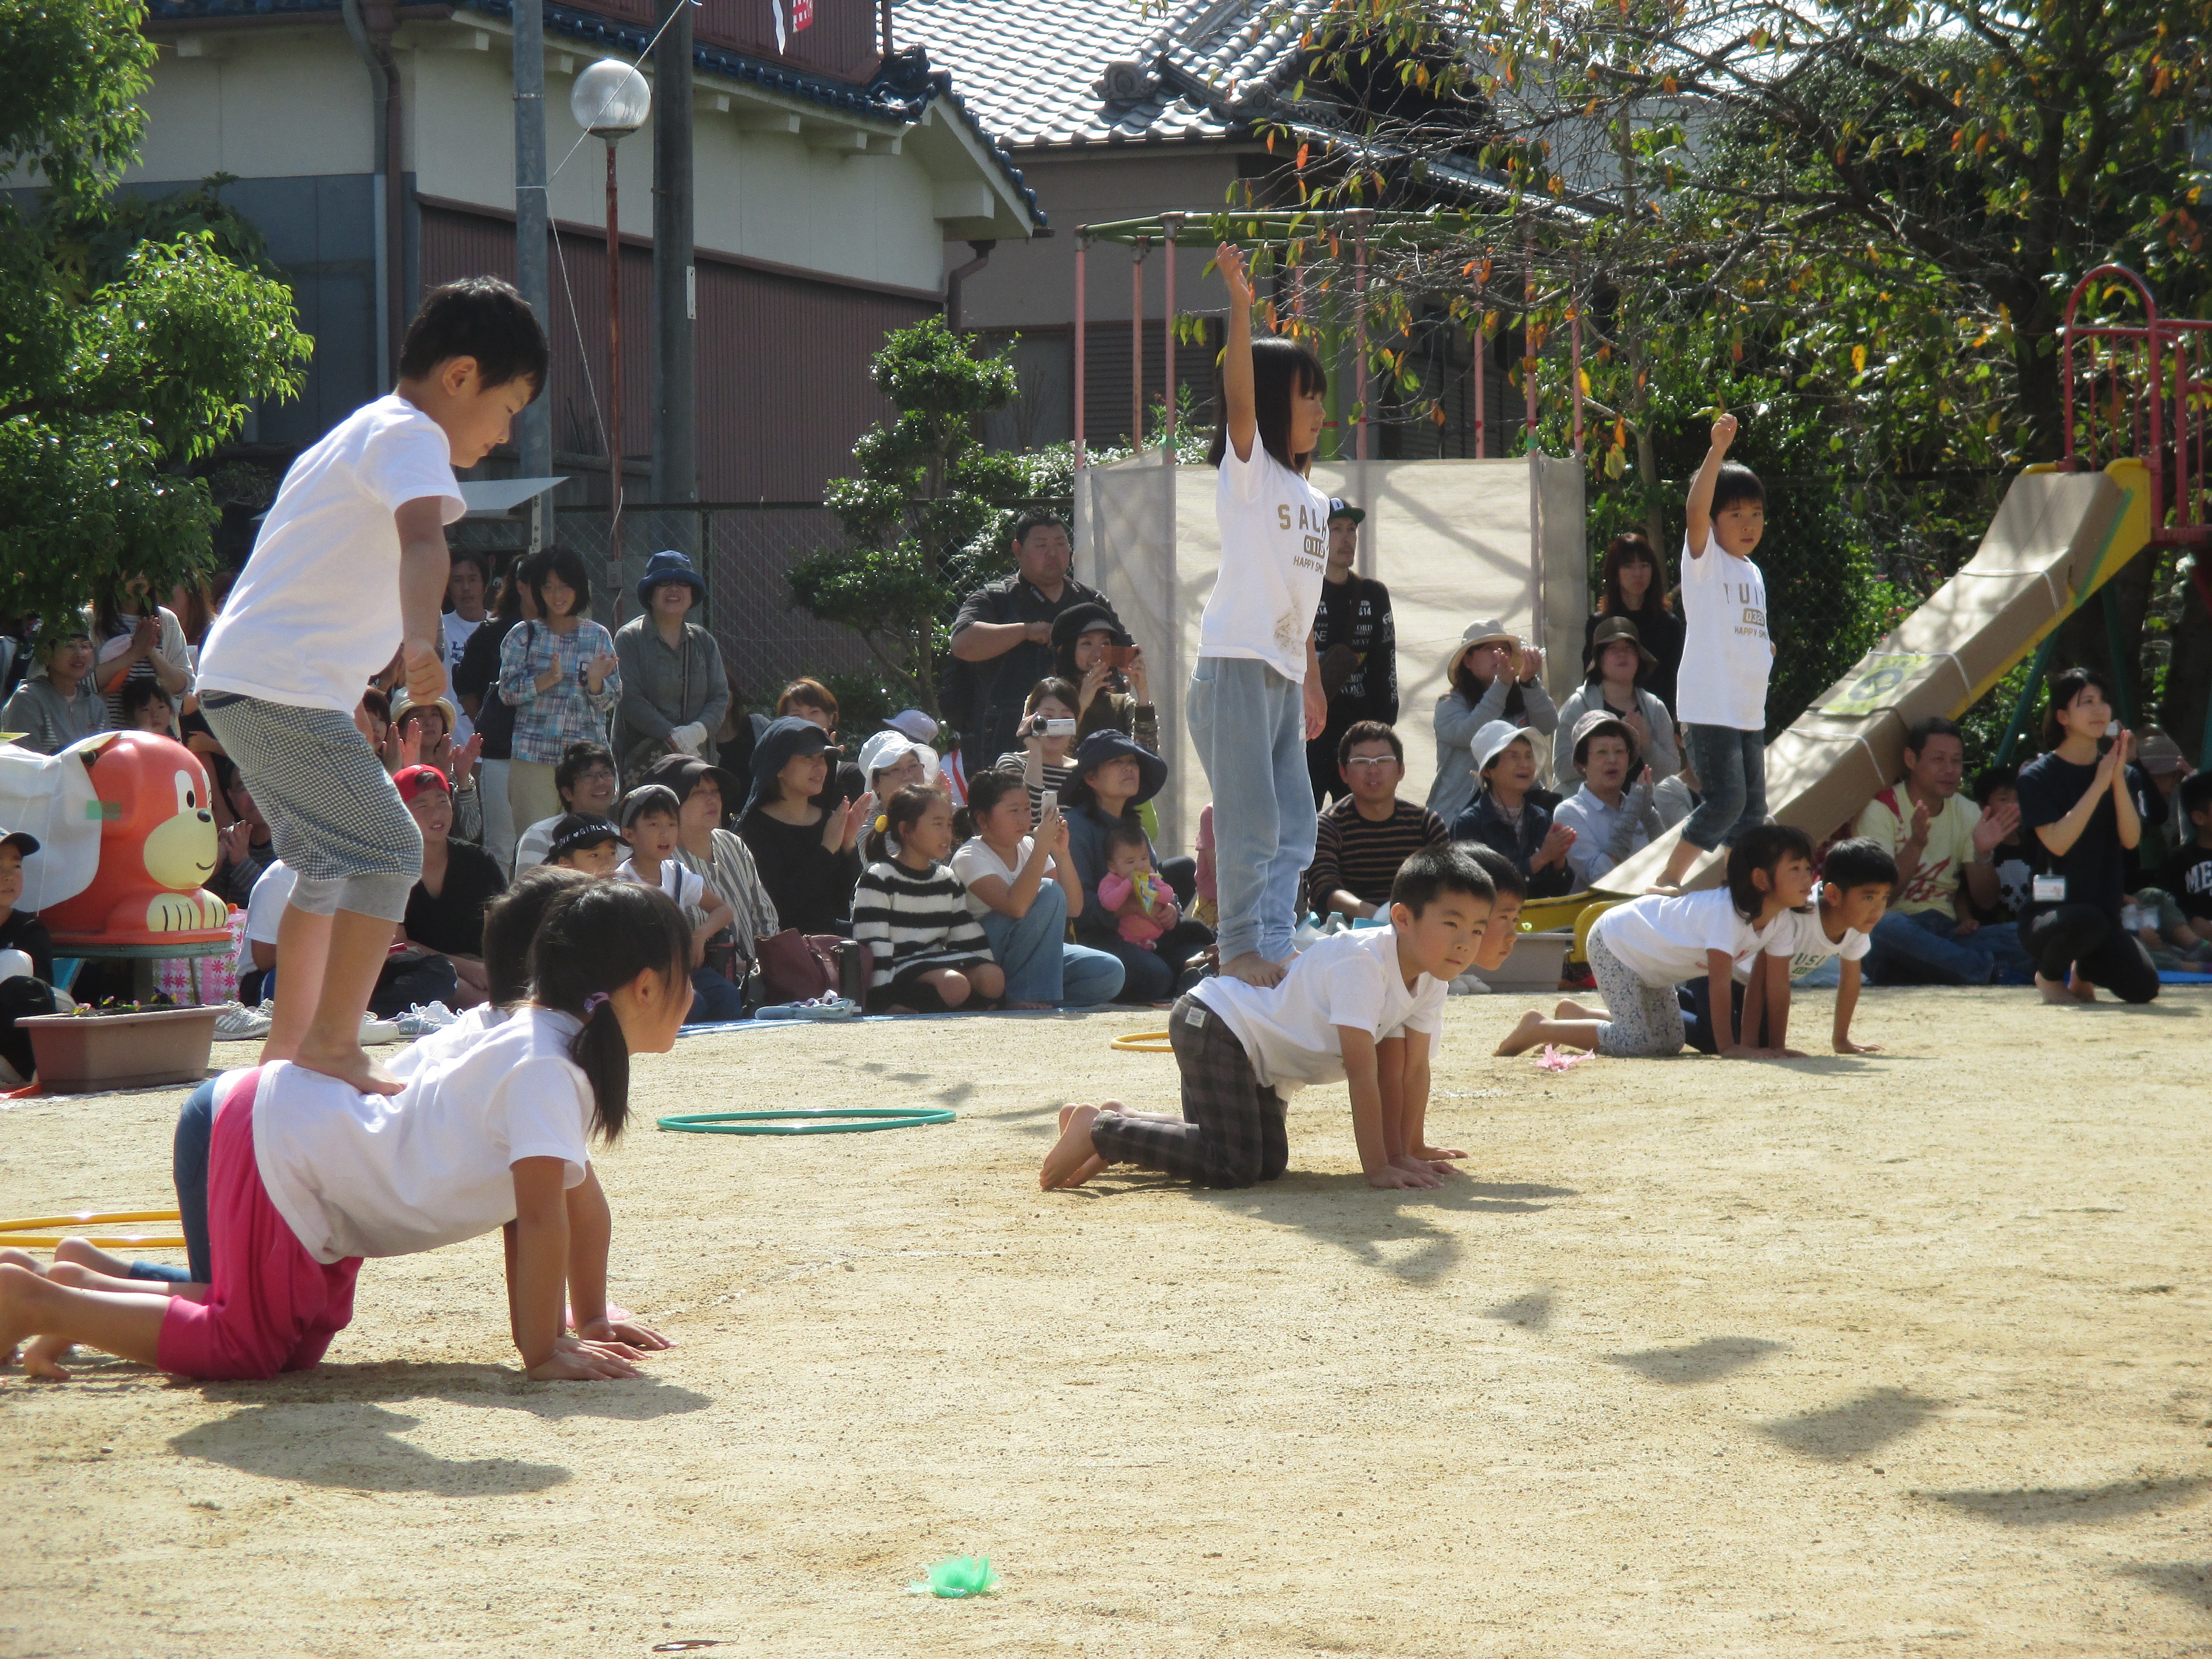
<point>1897,1355</point>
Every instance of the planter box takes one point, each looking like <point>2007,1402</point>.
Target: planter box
<point>1534,964</point>
<point>80,1054</point>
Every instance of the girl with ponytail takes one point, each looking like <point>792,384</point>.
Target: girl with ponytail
<point>308,1176</point>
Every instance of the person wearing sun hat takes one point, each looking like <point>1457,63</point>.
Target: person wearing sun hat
<point>1114,775</point>
<point>674,692</point>
<point>1617,668</point>
<point>806,853</point>
<point>891,760</point>
<point>1489,675</point>
<point>1105,697</point>
<point>1356,642</point>
<point>1512,813</point>
<point>1611,814</point>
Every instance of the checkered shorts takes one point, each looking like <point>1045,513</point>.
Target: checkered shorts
<point>333,812</point>
<point>1233,1133</point>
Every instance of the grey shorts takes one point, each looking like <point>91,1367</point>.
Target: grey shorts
<point>334,815</point>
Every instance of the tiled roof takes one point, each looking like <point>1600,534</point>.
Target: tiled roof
<point>1059,73</point>
<point>901,89</point>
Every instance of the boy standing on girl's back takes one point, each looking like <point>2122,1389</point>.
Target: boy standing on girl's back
<point>350,563</point>
<point>1364,1007</point>
<point>1726,654</point>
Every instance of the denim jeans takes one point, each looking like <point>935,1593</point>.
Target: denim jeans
<point>1922,947</point>
<point>1249,726</point>
<point>1041,965</point>
<point>1151,973</point>
<point>188,1169</point>
<point>1731,769</point>
<point>715,998</point>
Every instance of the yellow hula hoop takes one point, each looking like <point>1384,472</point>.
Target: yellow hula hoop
<point>1142,1043</point>
<point>14,1232</point>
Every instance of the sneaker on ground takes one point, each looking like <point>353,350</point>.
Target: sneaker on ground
<point>1466,985</point>
<point>236,1022</point>
<point>419,1021</point>
<point>373,1030</point>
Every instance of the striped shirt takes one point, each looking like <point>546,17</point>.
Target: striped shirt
<point>1361,857</point>
<point>1015,761</point>
<point>914,921</point>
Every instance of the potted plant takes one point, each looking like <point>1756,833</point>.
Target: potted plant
<point>121,1045</point>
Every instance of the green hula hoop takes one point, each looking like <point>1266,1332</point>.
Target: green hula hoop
<point>825,1120</point>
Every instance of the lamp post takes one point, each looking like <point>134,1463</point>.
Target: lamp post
<point>611,100</point>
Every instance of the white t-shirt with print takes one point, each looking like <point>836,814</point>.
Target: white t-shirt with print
<point>391,1174</point>
<point>1800,936</point>
<point>1347,979</point>
<point>975,858</point>
<point>316,611</point>
<point>1274,547</point>
<point>1664,940</point>
<point>1726,653</point>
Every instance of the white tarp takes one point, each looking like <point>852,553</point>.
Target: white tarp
<point>1452,540</point>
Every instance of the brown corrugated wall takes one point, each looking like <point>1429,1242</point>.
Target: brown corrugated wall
<point>784,390</point>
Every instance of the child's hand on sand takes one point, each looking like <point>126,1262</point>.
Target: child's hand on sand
<point>425,671</point>
<point>575,1360</point>
<point>1391,1178</point>
<point>1724,431</point>
<point>1228,259</point>
<point>627,1335</point>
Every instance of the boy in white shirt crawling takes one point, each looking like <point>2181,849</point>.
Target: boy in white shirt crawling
<point>1364,1006</point>
<point>1858,878</point>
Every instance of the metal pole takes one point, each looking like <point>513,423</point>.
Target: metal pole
<point>1481,350</point>
<point>675,277</point>
<point>1137,345</point>
<point>1576,315</point>
<point>614,383</point>
<point>1172,223</point>
<point>1082,246</point>
<point>1527,344</point>
<point>1359,337</point>
<point>533,428</point>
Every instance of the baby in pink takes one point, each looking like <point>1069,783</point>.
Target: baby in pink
<point>1129,874</point>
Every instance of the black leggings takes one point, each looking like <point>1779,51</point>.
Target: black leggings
<point>2083,938</point>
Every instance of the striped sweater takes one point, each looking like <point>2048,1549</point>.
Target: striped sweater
<point>914,920</point>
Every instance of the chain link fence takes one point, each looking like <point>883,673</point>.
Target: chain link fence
<point>742,548</point>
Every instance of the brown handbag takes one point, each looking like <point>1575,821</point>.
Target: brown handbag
<point>797,967</point>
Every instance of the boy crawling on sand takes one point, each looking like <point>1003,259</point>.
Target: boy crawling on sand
<point>1364,1005</point>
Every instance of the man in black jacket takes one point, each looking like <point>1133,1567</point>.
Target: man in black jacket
<point>1357,647</point>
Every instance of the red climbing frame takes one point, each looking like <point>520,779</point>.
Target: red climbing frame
<point>2144,391</point>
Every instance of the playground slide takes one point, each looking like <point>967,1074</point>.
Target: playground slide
<point>2056,539</point>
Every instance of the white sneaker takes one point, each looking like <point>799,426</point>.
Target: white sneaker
<point>419,1021</point>
<point>238,1024</point>
<point>1466,985</point>
<point>373,1030</point>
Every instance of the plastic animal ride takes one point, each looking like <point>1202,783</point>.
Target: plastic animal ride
<point>157,844</point>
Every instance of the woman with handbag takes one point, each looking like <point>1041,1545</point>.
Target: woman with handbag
<point>674,692</point>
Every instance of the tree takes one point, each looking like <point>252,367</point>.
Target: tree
<point>927,491</point>
<point>134,336</point>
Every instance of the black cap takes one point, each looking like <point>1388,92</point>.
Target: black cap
<point>1090,617</point>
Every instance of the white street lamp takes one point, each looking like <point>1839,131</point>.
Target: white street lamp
<point>611,100</point>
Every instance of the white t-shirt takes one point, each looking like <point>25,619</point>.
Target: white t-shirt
<point>1726,653</point>
<point>1274,547</point>
<point>459,631</point>
<point>687,887</point>
<point>316,611</point>
<point>1800,936</point>
<point>393,1174</point>
<point>264,912</point>
<point>1347,979</point>
<point>443,1044</point>
<point>976,858</point>
<point>1663,941</point>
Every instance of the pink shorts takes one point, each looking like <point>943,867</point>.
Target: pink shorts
<point>272,1307</point>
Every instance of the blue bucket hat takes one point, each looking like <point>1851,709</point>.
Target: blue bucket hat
<point>668,567</point>
<point>1100,747</point>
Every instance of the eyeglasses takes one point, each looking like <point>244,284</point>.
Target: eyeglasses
<point>596,774</point>
<point>1369,762</point>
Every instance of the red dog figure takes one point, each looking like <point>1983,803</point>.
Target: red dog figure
<point>157,844</point>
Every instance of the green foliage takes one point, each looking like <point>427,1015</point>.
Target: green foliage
<point>134,335</point>
<point>927,493</point>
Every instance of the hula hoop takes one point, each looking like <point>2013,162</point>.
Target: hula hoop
<point>1142,1043</point>
<point>11,1232</point>
<point>823,1121</point>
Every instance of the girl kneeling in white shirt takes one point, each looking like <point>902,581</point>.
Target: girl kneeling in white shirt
<point>1640,951</point>
<point>307,1176</point>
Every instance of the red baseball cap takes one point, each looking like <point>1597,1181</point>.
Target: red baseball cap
<point>414,779</point>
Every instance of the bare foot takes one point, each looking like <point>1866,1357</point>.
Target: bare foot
<point>1664,890</point>
<point>22,1259</point>
<point>1068,1164</point>
<point>1432,1153</point>
<point>351,1066</point>
<point>1525,1035</point>
<point>43,1359</point>
<point>1254,969</point>
<point>1569,1009</point>
<point>615,1317</point>
<point>2053,992</point>
<point>2080,988</point>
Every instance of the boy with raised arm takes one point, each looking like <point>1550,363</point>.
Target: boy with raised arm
<point>1364,1007</point>
<point>350,563</point>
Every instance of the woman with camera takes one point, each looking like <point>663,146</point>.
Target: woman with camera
<point>1096,655</point>
<point>1046,760</point>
